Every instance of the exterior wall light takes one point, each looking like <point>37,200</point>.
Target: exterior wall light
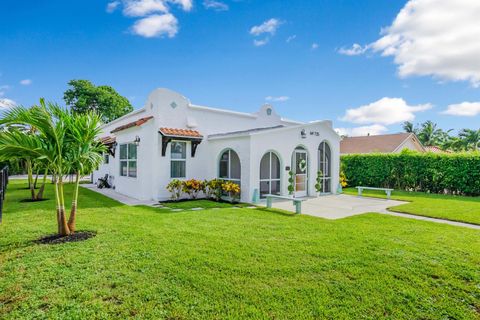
<point>303,133</point>
<point>137,141</point>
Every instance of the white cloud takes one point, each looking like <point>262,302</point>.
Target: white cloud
<point>26,82</point>
<point>384,111</point>
<point>6,103</point>
<point>277,99</point>
<point>291,38</point>
<point>269,26</point>
<point>355,50</point>
<point>466,109</point>
<point>112,6</point>
<point>438,38</point>
<point>314,46</point>
<point>186,5</point>
<point>140,8</point>
<point>215,5</point>
<point>3,89</point>
<point>374,129</point>
<point>259,43</point>
<point>156,26</point>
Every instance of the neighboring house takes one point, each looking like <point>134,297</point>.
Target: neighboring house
<point>385,143</point>
<point>435,149</point>
<point>171,138</point>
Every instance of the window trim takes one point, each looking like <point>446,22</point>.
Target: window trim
<point>128,160</point>
<point>229,162</point>
<point>325,164</point>
<point>178,160</point>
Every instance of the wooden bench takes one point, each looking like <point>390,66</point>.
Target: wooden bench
<point>296,202</point>
<point>387,190</point>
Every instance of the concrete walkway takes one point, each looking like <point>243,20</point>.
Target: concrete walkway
<point>338,206</point>
<point>119,197</point>
<point>342,206</point>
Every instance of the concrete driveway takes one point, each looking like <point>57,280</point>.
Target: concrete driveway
<point>338,206</point>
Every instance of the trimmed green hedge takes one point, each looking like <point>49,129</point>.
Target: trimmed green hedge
<point>429,172</point>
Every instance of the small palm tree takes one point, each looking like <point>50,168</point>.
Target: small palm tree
<point>84,154</point>
<point>64,141</point>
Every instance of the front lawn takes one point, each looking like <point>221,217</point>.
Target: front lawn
<point>232,263</point>
<point>455,208</point>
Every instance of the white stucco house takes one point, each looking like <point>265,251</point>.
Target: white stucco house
<point>171,138</point>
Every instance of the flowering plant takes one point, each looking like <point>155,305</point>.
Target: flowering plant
<point>193,187</point>
<point>175,188</point>
<point>232,189</point>
<point>213,188</point>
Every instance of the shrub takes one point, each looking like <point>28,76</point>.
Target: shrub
<point>291,180</point>
<point>213,189</point>
<point>457,173</point>
<point>193,187</point>
<point>318,184</point>
<point>175,187</point>
<point>232,189</point>
<point>343,179</point>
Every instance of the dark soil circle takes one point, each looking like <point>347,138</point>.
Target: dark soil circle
<point>57,239</point>
<point>36,200</point>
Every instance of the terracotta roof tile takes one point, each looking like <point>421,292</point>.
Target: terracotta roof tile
<point>180,133</point>
<point>108,140</point>
<point>435,149</point>
<point>136,123</point>
<point>368,144</point>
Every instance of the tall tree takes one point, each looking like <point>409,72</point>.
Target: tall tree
<point>429,134</point>
<point>470,139</point>
<point>409,127</point>
<point>84,96</point>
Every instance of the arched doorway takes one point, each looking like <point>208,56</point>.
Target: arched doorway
<point>325,166</point>
<point>229,166</point>
<point>300,171</point>
<point>269,174</point>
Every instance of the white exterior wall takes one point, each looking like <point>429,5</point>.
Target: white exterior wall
<point>153,170</point>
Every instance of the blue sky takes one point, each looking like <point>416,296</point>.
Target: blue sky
<point>241,54</point>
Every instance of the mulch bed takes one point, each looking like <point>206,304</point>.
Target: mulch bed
<point>187,200</point>
<point>57,239</point>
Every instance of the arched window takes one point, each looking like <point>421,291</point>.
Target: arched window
<point>325,166</point>
<point>229,167</point>
<point>269,174</point>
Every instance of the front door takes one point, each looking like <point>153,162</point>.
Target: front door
<point>301,178</point>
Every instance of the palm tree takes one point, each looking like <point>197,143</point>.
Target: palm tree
<point>470,139</point>
<point>429,134</point>
<point>64,141</point>
<point>409,127</point>
<point>85,153</point>
<point>23,140</point>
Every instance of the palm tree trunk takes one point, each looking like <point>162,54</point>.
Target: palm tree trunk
<point>73,211</point>
<point>36,179</point>
<point>42,187</point>
<point>63,229</point>
<point>30,179</point>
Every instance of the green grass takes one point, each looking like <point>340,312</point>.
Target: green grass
<point>201,203</point>
<point>233,263</point>
<point>455,208</point>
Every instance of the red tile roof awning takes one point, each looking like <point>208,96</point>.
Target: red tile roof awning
<point>136,123</point>
<point>171,132</point>
<point>108,140</point>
